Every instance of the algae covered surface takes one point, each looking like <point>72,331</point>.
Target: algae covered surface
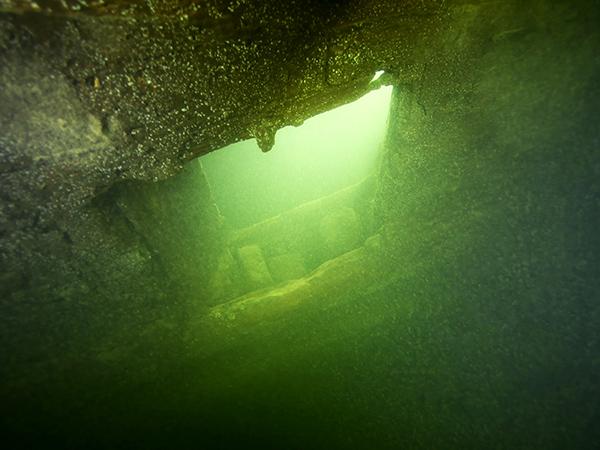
<point>435,285</point>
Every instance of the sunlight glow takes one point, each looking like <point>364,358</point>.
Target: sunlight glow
<point>327,153</point>
<point>377,75</point>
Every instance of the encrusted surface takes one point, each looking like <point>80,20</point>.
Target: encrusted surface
<point>97,92</point>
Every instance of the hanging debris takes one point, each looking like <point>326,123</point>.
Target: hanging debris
<point>265,137</point>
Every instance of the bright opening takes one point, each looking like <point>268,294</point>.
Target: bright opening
<point>327,153</point>
<point>377,75</point>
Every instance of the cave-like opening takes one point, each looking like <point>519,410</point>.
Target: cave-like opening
<point>306,202</point>
<point>327,153</point>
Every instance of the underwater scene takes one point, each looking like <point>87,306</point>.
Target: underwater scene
<point>300,225</point>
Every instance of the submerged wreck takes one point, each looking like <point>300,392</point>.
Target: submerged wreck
<point>431,285</point>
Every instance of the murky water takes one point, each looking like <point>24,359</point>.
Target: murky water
<point>417,270</point>
<point>327,153</point>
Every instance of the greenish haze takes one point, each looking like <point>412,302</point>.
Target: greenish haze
<point>328,152</point>
<point>451,301</point>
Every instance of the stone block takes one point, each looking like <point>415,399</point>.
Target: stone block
<point>254,267</point>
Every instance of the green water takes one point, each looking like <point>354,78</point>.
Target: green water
<point>423,276</point>
<point>327,153</point>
